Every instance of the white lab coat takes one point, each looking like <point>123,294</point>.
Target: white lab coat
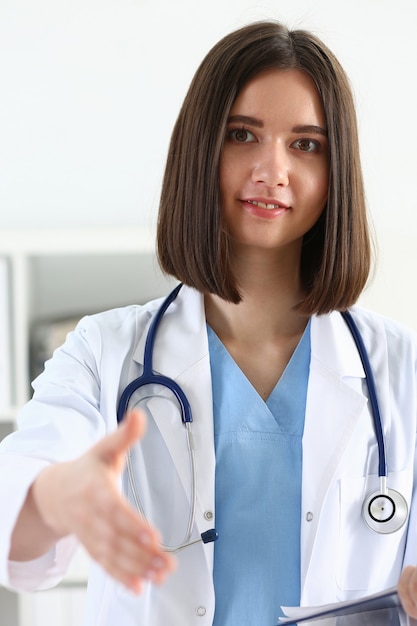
<point>75,404</point>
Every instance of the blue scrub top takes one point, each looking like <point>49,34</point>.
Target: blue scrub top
<point>258,488</point>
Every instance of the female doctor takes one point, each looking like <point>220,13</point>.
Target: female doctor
<point>262,218</point>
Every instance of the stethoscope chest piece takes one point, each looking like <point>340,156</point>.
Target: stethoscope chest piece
<point>385,512</point>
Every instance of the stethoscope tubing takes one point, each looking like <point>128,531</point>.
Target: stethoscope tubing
<point>186,541</point>
<point>373,397</point>
<point>149,377</point>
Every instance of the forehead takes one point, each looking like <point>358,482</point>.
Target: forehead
<point>283,93</point>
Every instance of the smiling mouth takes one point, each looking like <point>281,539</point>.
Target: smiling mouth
<point>269,206</point>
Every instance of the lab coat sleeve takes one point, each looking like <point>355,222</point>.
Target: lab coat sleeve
<point>61,421</point>
<point>41,573</point>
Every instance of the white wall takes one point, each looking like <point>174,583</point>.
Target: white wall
<point>91,88</point>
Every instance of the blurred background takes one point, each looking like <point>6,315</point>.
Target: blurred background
<point>91,89</point>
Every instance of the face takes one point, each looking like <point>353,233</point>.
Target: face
<point>274,167</point>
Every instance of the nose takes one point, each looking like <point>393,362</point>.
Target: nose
<point>272,166</point>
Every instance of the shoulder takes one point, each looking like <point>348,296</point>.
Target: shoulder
<point>375,323</point>
<point>116,333</point>
<point>108,336</point>
<point>122,322</point>
<point>384,332</point>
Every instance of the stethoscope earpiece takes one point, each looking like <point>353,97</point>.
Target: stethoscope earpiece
<point>385,513</point>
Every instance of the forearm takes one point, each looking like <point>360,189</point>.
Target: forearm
<point>33,536</point>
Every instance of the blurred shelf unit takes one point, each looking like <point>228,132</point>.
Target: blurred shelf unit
<point>51,278</point>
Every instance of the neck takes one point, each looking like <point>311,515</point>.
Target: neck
<point>263,330</point>
<point>270,293</point>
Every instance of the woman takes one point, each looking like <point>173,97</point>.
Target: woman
<point>262,217</point>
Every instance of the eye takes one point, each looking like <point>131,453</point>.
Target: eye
<point>241,135</point>
<point>306,145</point>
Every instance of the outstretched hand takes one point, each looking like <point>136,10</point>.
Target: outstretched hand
<point>82,498</point>
<point>407,590</point>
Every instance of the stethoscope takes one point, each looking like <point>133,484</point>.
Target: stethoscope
<point>149,377</point>
<point>384,511</point>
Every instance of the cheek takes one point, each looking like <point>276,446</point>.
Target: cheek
<point>314,193</point>
<point>319,186</point>
<point>323,194</point>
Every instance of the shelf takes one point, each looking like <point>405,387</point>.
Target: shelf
<point>76,241</point>
<point>57,274</point>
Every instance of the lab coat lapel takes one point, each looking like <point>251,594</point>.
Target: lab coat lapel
<point>181,353</point>
<point>181,339</point>
<point>334,405</point>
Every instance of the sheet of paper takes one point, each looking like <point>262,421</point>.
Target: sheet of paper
<point>380,602</point>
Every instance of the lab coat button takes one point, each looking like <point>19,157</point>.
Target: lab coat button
<point>200,610</point>
<point>208,515</point>
<point>309,516</point>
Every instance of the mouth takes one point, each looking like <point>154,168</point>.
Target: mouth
<point>268,206</point>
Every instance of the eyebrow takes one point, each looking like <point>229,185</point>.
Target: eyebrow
<point>310,128</point>
<point>253,121</point>
<point>245,119</point>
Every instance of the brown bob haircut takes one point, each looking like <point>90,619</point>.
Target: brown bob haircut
<point>192,243</point>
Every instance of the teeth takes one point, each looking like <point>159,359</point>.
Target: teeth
<point>262,205</point>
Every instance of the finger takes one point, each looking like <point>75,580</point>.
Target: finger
<point>138,564</point>
<point>125,547</point>
<point>113,448</point>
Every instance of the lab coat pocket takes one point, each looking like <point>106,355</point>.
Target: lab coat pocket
<point>367,559</point>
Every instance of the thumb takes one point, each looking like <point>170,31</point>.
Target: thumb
<point>113,448</point>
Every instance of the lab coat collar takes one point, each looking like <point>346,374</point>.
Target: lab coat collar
<point>333,346</point>
<point>331,341</point>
